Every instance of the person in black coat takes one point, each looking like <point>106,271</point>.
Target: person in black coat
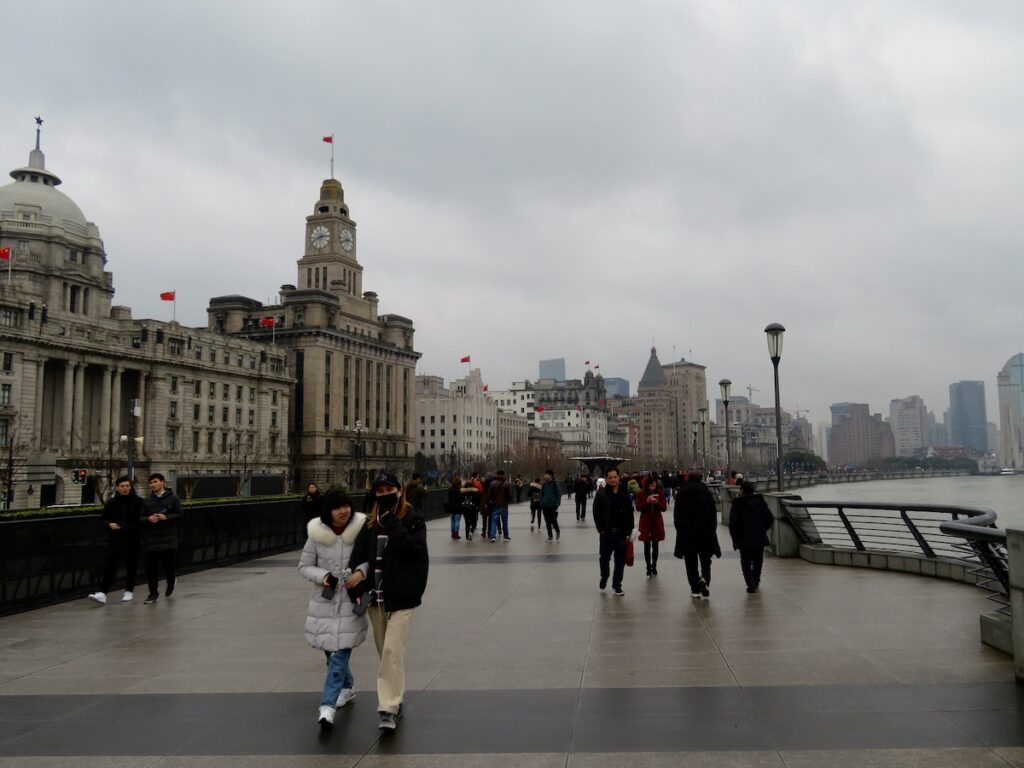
<point>161,511</point>
<point>311,502</point>
<point>749,523</point>
<point>613,516</point>
<point>398,589</point>
<point>696,521</point>
<point>582,489</point>
<point>121,517</point>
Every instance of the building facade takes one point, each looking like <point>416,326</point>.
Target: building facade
<point>908,418</point>
<point>552,369</point>
<point>968,421</point>
<point>457,425</point>
<point>859,437</point>
<point>1011,413</point>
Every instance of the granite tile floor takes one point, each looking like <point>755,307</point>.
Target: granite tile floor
<point>517,659</point>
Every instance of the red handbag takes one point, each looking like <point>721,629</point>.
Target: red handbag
<point>629,551</point>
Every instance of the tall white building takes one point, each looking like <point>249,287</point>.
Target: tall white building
<point>908,418</point>
<point>457,425</point>
<point>1011,412</point>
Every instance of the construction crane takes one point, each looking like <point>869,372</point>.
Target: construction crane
<point>751,389</point>
<point>799,411</point>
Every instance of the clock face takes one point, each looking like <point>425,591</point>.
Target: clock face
<point>319,237</point>
<point>347,239</point>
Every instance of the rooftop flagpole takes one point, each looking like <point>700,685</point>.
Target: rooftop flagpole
<point>330,140</point>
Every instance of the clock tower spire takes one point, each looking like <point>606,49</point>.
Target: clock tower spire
<point>330,262</point>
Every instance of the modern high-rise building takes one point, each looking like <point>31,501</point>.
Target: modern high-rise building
<point>617,387</point>
<point>968,422</point>
<point>859,437</point>
<point>1011,413</point>
<point>552,369</point>
<point>908,419</point>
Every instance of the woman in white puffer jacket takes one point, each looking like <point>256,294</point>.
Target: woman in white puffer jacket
<point>331,625</point>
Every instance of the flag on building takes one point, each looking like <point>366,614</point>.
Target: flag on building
<point>5,253</point>
<point>267,322</point>
<point>167,296</point>
<point>586,362</point>
<point>465,359</point>
<point>485,387</point>
<point>539,409</point>
<point>329,139</point>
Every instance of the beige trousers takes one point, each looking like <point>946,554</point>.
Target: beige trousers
<point>390,633</point>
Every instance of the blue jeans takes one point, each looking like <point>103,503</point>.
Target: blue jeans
<point>456,519</point>
<point>338,676</point>
<point>503,513</point>
<point>613,543</point>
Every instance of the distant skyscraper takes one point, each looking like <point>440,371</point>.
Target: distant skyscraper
<point>618,387</point>
<point>1011,408</point>
<point>968,422</point>
<point>858,437</point>
<point>909,421</point>
<point>553,369</point>
<point>840,411</point>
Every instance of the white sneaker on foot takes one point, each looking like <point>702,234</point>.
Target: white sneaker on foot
<point>346,695</point>
<point>326,717</point>
<point>127,597</point>
<point>99,597</point>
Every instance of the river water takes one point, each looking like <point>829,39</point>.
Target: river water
<point>1004,494</point>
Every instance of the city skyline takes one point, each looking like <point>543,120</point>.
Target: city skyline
<point>844,204</point>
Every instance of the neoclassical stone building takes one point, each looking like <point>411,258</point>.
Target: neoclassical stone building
<point>71,363</point>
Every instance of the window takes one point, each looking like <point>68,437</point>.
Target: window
<point>209,443</point>
<point>238,416</point>
<point>210,414</point>
<point>172,439</point>
<point>174,346</point>
<point>240,358</point>
<point>199,351</point>
<point>174,409</point>
<point>227,357</point>
<point>174,385</point>
<point>5,394</point>
<point>195,413</point>
<point>252,418</point>
<point>8,362</point>
<point>238,393</point>
<point>197,388</point>
<point>273,418</point>
<point>250,442</point>
<point>223,442</point>
<point>224,416</point>
<point>252,394</point>
<point>8,317</point>
<point>226,391</point>
<point>213,355</point>
<point>273,444</point>
<point>213,389</point>
<point>327,446</point>
<point>195,441</point>
<point>252,362</point>
<point>273,397</point>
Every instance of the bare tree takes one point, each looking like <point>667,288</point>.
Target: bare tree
<point>17,449</point>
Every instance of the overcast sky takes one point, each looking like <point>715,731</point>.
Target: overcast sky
<point>549,179</point>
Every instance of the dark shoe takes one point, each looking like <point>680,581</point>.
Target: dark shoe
<point>617,591</point>
<point>704,591</point>
<point>169,592</point>
<point>151,599</point>
<point>603,583</point>
<point>751,590</point>
<point>654,569</point>
<point>508,538</point>
<point>387,722</point>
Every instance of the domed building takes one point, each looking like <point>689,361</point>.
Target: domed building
<point>73,367</point>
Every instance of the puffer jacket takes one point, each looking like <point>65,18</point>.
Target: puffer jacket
<point>330,624</point>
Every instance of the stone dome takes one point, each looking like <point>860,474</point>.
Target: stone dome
<point>35,187</point>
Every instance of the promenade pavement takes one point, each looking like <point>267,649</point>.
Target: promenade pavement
<point>517,659</point>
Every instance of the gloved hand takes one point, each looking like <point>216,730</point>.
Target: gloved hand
<point>632,535</point>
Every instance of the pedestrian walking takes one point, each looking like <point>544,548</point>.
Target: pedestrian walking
<point>750,519</point>
<point>696,522</point>
<point>121,516</point>
<point>519,488</point>
<point>416,493</point>
<point>651,503</point>
<point>398,588</point>
<point>550,498</point>
<point>161,512</point>
<point>472,503</point>
<point>613,516</point>
<point>568,485</point>
<point>453,504</point>
<point>581,489</point>
<point>332,626</point>
<point>499,494</point>
<point>311,502</point>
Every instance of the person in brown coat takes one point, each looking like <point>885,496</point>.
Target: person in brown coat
<point>499,496</point>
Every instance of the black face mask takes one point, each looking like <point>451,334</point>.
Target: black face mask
<point>387,503</point>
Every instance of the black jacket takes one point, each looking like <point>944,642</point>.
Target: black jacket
<point>581,488</point>
<point>696,520</point>
<point>613,512</point>
<point>311,503</point>
<point>163,534</point>
<point>125,511</point>
<point>749,522</point>
<point>453,505</point>
<point>405,561</point>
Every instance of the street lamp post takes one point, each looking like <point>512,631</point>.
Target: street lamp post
<point>695,426</point>
<point>774,333</point>
<point>359,451</point>
<point>725,386</point>
<point>703,445</point>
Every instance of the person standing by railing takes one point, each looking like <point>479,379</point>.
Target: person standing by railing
<point>749,523</point>
<point>696,522</point>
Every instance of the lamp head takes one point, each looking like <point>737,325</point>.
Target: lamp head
<point>725,385</point>
<point>774,333</point>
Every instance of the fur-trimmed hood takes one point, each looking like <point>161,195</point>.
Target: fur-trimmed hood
<point>322,534</point>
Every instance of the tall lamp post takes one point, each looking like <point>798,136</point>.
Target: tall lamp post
<point>725,385</point>
<point>695,426</point>
<point>359,452</point>
<point>774,333</point>
<point>703,445</point>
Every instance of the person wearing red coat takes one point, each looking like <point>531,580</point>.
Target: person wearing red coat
<point>650,503</point>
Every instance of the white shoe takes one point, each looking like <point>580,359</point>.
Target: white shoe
<point>127,597</point>
<point>326,717</point>
<point>346,695</point>
<point>99,597</point>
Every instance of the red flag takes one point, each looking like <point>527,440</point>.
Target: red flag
<point>485,387</point>
<point>267,322</point>
<point>167,296</point>
<point>586,362</point>
<point>596,367</point>
<point>5,253</point>
<point>328,139</point>
<point>465,359</point>
<point>539,409</point>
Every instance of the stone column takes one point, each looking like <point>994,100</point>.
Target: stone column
<point>115,404</point>
<point>37,427</point>
<point>67,405</point>
<point>78,420</point>
<point>105,436</point>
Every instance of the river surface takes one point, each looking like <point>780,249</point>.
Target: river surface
<point>1003,494</point>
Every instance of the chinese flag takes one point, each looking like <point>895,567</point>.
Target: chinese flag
<point>328,139</point>
<point>465,359</point>
<point>485,387</point>
<point>167,296</point>
<point>267,322</point>
<point>586,362</point>
<point>5,253</point>
<point>539,409</point>
<point>597,367</point>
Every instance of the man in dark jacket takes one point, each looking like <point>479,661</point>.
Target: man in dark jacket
<point>161,511</point>
<point>121,518</point>
<point>582,490</point>
<point>613,516</point>
<point>696,520</point>
<point>499,496</point>
<point>749,523</point>
<point>550,498</point>
<point>404,564</point>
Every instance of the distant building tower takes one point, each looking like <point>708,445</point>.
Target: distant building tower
<point>859,437</point>
<point>617,387</point>
<point>553,369</point>
<point>1011,412</point>
<point>909,421</point>
<point>968,422</point>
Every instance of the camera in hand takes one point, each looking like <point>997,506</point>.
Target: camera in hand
<point>330,587</point>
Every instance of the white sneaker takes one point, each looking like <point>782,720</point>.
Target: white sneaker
<point>326,717</point>
<point>99,597</point>
<point>127,597</point>
<point>346,695</point>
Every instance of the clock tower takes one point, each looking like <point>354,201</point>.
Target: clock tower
<point>330,262</point>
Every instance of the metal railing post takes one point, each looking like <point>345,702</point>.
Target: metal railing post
<point>921,542</point>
